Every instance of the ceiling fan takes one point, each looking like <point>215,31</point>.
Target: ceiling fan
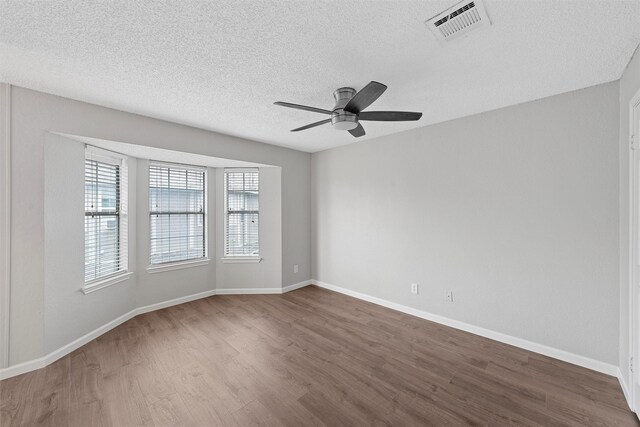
<point>347,112</point>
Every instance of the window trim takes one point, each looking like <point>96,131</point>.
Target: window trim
<point>190,262</point>
<point>103,282</point>
<point>93,153</point>
<point>177,265</point>
<point>226,257</point>
<point>240,259</point>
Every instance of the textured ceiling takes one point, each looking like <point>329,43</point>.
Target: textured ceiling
<point>221,65</point>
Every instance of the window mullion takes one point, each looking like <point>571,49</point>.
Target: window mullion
<point>117,260</point>
<point>94,201</point>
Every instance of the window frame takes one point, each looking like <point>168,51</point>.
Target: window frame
<point>240,258</point>
<point>186,262</point>
<point>94,154</point>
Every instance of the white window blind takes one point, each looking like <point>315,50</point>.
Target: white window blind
<point>105,224</point>
<point>242,212</point>
<point>177,209</point>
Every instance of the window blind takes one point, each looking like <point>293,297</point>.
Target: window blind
<point>177,209</point>
<point>242,235</point>
<point>104,226</point>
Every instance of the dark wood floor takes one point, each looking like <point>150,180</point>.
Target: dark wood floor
<point>309,357</point>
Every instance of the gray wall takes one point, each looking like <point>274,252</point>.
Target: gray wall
<point>629,86</point>
<point>515,210</point>
<point>33,115</point>
<point>68,313</point>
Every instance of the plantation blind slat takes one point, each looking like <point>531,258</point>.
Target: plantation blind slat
<point>242,188</point>
<point>177,210</point>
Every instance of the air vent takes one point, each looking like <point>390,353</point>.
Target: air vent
<point>459,20</point>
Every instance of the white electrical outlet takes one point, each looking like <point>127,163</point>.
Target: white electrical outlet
<point>295,268</point>
<point>414,288</point>
<point>450,296</point>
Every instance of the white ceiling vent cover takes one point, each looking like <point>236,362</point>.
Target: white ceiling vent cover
<point>459,20</point>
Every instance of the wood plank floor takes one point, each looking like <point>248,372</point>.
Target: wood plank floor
<point>308,357</point>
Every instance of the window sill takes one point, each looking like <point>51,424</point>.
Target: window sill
<point>241,259</point>
<point>159,268</point>
<point>103,283</point>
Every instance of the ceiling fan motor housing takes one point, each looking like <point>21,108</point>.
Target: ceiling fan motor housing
<point>341,119</point>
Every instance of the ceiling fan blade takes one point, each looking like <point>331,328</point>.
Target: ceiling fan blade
<point>359,131</point>
<point>389,116</point>
<point>365,97</point>
<point>312,125</point>
<point>302,107</point>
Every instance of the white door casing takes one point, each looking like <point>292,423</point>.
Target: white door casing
<point>5,220</point>
<point>634,270</point>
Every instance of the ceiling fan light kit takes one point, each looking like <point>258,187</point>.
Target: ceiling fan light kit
<point>348,110</point>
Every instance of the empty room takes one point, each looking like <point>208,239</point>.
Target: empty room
<point>320,213</point>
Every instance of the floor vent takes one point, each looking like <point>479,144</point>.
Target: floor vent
<point>459,20</point>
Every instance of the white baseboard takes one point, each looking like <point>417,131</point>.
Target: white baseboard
<point>518,342</point>
<point>625,390</point>
<point>295,286</point>
<point>43,361</point>
<point>176,301</point>
<point>565,356</point>
<point>264,291</point>
<point>249,291</point>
